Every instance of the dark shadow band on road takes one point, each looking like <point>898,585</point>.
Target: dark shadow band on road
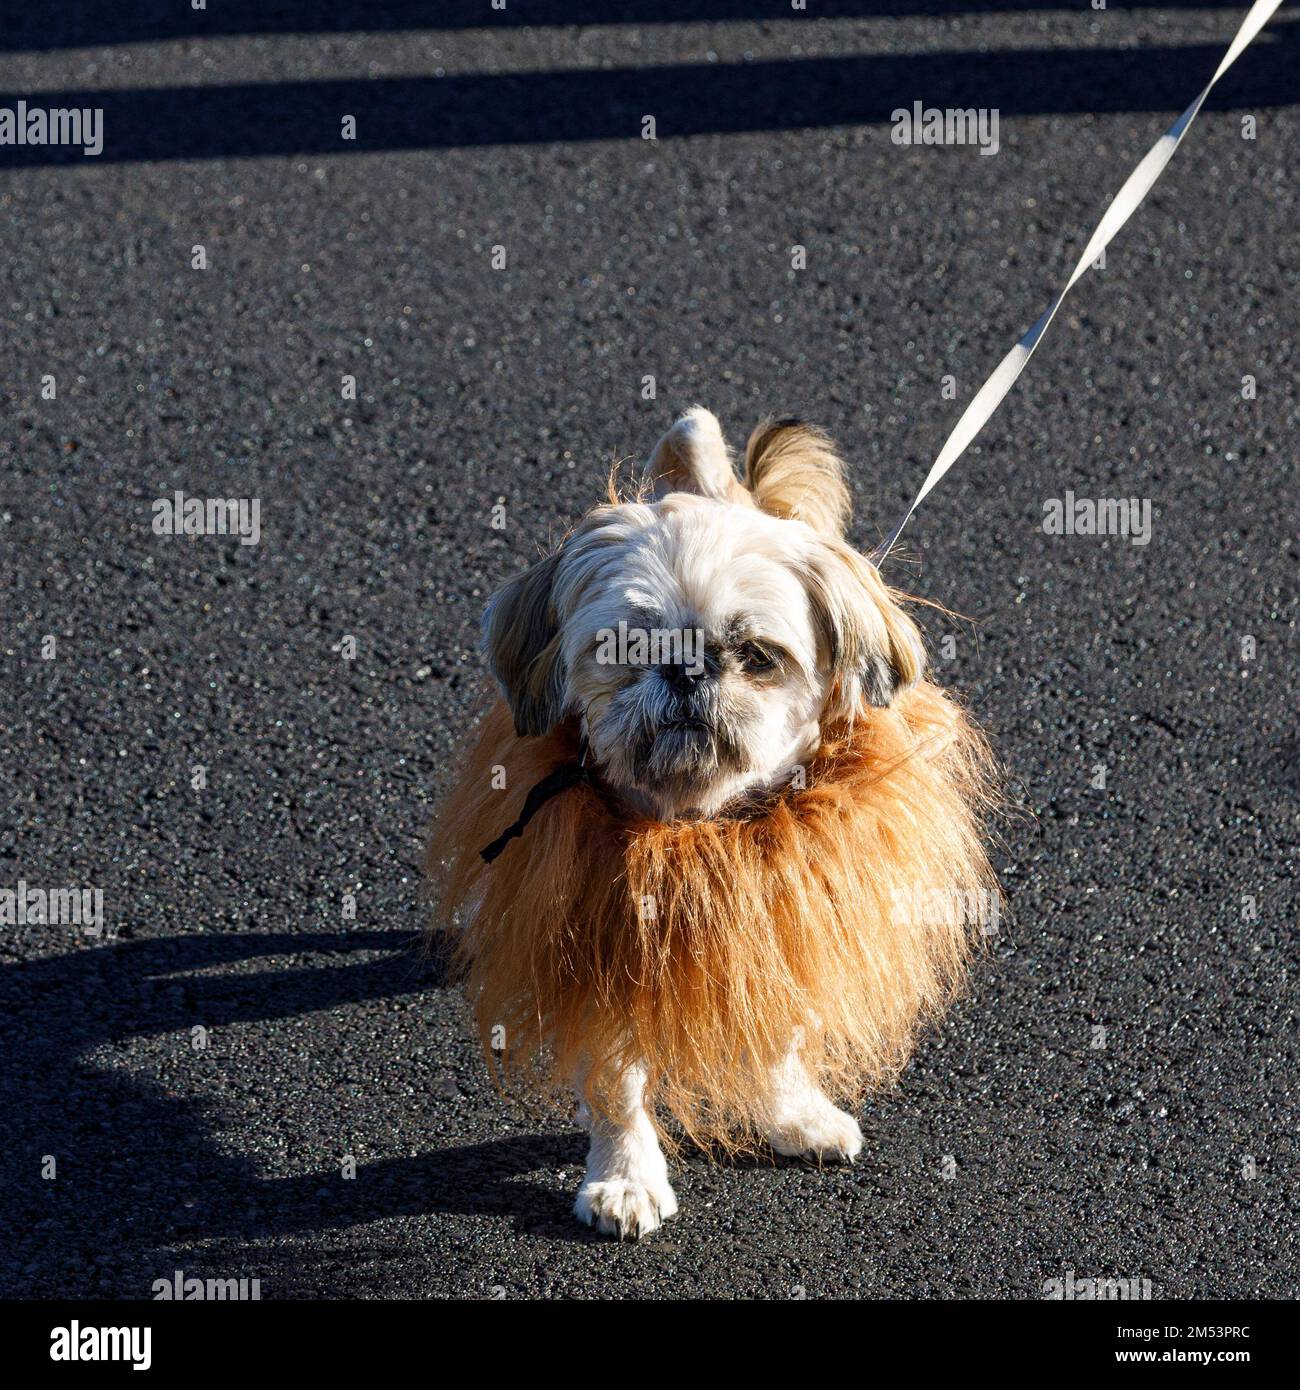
<point>412,113</point>
<point>138,1166</point>
<point>88,23</point>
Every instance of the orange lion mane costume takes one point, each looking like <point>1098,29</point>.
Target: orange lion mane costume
<point>842,912</point>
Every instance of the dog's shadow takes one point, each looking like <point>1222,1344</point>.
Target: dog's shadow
<point>107,1173</point>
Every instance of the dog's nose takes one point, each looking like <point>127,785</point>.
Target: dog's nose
<point>683,676</point>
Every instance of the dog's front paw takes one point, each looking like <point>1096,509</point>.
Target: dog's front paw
<point>821,1132</point>
<point>625,1207</point>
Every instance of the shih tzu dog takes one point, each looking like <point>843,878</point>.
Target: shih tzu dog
<point>718,854</point>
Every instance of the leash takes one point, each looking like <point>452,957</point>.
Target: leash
<point>991,394</point>
<point>1125,204</point>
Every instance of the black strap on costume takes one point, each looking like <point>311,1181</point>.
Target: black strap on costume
<point>565,776</point>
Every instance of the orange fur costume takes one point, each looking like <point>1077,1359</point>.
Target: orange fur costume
<point>842,912</point>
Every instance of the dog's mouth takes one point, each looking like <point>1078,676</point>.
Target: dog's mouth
<point>683,752</point>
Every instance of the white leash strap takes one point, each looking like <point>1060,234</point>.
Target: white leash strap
<point>1127,201</point>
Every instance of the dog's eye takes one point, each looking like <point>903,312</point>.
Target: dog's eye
<point>755,658</point>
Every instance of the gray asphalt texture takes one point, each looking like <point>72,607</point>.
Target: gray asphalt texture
<point>1022,1143</point>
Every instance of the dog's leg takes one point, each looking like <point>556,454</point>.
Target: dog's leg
<point>800,1119</point>
<point>625,1191</point>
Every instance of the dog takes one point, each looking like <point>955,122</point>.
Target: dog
<point>717,854</point>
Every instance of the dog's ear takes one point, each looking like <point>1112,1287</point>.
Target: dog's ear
<point>794,472</point>
<point>522,642</point>
<point>874,648</point>
<point>693,457</point>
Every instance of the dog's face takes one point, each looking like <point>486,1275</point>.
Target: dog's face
<point>690,649</point>
<point>706,636</point>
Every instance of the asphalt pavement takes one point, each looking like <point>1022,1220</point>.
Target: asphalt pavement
<point>251,1072</point>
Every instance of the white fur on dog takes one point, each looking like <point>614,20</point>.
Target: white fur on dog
<point>625,1191</point>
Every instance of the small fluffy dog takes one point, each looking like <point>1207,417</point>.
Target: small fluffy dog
<point>721,855</point>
